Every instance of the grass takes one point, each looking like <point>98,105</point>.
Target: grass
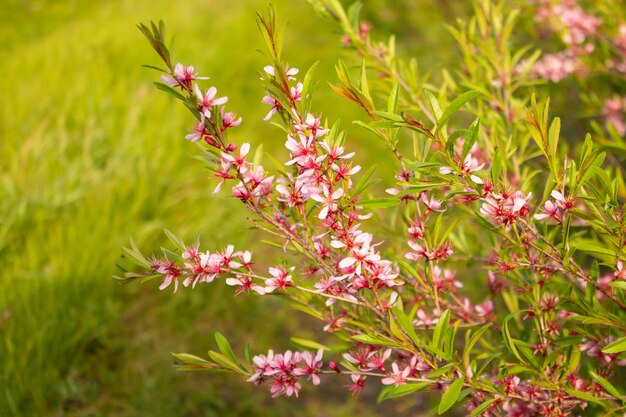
<point>92,154</point>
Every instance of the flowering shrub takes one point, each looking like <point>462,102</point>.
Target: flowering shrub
<point>500,283</point>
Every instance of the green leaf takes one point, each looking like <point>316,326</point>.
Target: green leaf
<point>170,90</point>
<point>472,342</point>
<point>226,362</point>
<point>585,396</point>
<point>392,103</point>
<point>374,340</point>
<point>389,116</point>
<point>553,136</point>
<point>400,391</point>
<point>368,127</point>
<point>608,387</point>
<point>450,397</point>
<point>591,246</point>
<point>307,344</point>
<point>380,202</point>
<point>440,328</point>
<point>508,340</point>
<point>453,107</point>
<point>225,348</point>
<point>248,354</point>
<point>406,324</point>
<point>190,359</point>
<point>174,239</point>
<point>484,406</point>
<point>616,347</point>
<point>471,139</point>
<point>434,104</point>
<point>618,284</point>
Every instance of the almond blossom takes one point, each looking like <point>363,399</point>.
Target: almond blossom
<point>208,100</point>
<point>182,77</point>
<point>328,200</point>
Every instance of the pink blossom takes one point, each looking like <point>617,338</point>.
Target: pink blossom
<point>555,67</point>
<point>208,100</point>
<point>245,285</point>
<point>240,159</point>
<point>229,119</point>
<point>312,125</point>
<point>613,113</point>
<point>360,358</point>
<point>294,193</point>
<point>335,152</point>
<point>424,319</point>
<point>262,367</point>
<point>506,208</point>
<point>199,132</point>
<point>296,92</point>
<point>431,204</point>
<point>311,367</point>
<point>289,72</point>
<point>183,77</point>
<point>171,272</point>
<point>281,278</point>
<point>485,309</point>
<point>328,200</point>
<point>378,360</point>
<point>223,173</point>
<point>358,381</point>
<point>269,100</point>
<point>302,150</point>
<point>620,272</point>
<point>550,210</point>
<point>396,376</point>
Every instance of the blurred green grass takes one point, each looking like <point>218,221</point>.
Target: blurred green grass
<point>91,154</point>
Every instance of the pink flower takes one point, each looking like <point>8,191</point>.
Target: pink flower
<point>275,106</point>
<point>396,377</point>
<point>311,367</point>
<point>431,204</point>
<point>550,210</point>
<point>296,92</point>
<point>302,150</point>
<point>312,125</point>
<point>262,367</point>
<point>229,119</point>
<point>208,100</point>
<point>281,278</point>
<point>240,159</point>
<point>485,309</point>
<point>379,359</point>
<point>424,319</point>
<point>358,382</point>
<point>245,285</point>
<point>506,208</point>
<point>183,77</point>
<point>290,72</point>
<point>223,173</point>
<point>328,200</point>
<point>620,272</point>
<point>335,152</point>
<point>199,132</point>
<point>555,67</point>
<point>360,358</point>
<point>613,113</point>
<point>419,252</point>
<point>171,272</point>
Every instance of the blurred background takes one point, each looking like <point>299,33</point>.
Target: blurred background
<point>92,154</point>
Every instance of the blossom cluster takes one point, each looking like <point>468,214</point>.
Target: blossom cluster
<point>285,370</point>
<point>461,212</point>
